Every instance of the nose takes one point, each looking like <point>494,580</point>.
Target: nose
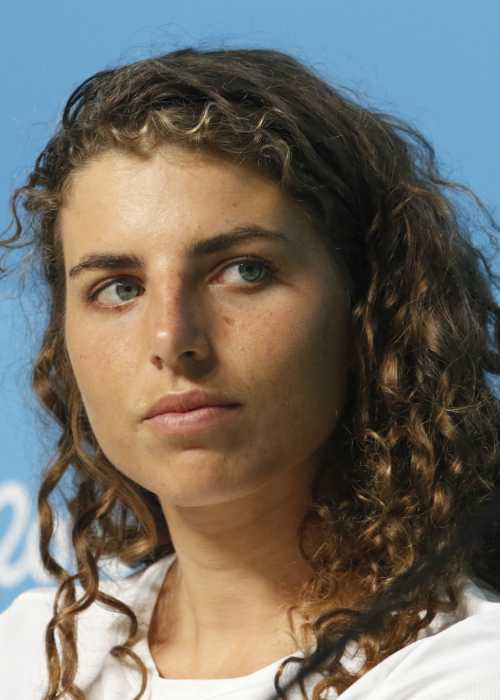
<point>178,328</point>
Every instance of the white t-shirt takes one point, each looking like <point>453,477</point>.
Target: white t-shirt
<point>456,658</point>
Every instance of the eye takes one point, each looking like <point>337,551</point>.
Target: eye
<point>252,270</point>
<point>124,283</point>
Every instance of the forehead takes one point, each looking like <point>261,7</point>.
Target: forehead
<point>177,205</point>
<point>175,194</point>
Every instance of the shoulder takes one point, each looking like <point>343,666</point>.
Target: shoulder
<point>454,660</point>
<point>22,640</point>
<point>23,666</point>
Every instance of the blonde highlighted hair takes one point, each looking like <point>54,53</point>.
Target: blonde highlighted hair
<point>417,443</point>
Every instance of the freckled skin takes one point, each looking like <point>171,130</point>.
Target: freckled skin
<point>233,496</point>
<point>281,351</point>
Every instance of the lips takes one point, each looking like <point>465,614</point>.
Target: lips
<point>187,401</point>
<point>200,423</point>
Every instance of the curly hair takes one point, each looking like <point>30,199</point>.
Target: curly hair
<point>417,445</point>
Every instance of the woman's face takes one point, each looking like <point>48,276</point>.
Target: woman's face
<point>277,343</point>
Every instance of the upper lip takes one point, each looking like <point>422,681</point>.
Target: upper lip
<point>187,401</point>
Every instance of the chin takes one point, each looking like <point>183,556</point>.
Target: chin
<point>208,492</point>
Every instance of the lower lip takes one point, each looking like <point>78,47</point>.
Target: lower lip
<point>191,421</point>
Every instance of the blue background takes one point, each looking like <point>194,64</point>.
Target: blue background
<point>435,63</point>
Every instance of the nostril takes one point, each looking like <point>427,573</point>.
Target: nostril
<point>158,362</point>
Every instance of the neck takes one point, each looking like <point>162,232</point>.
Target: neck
<point>238,569</point>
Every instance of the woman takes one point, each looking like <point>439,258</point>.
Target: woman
<point>290,416</point>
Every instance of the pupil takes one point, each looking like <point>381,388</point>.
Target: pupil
<point>126,287</point>
<point>244,267</point>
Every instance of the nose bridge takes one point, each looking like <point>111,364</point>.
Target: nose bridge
<point>174,315</point>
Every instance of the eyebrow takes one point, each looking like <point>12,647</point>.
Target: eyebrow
<point>208,246</point>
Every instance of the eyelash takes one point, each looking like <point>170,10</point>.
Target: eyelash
<point>267,265</point>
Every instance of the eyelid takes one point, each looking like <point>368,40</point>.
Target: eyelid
<point>94,291</point>
<point>269,266</point>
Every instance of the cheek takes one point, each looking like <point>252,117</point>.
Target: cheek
<point>301,362</point>
<point>99,366</point>
<point>305,343</point>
